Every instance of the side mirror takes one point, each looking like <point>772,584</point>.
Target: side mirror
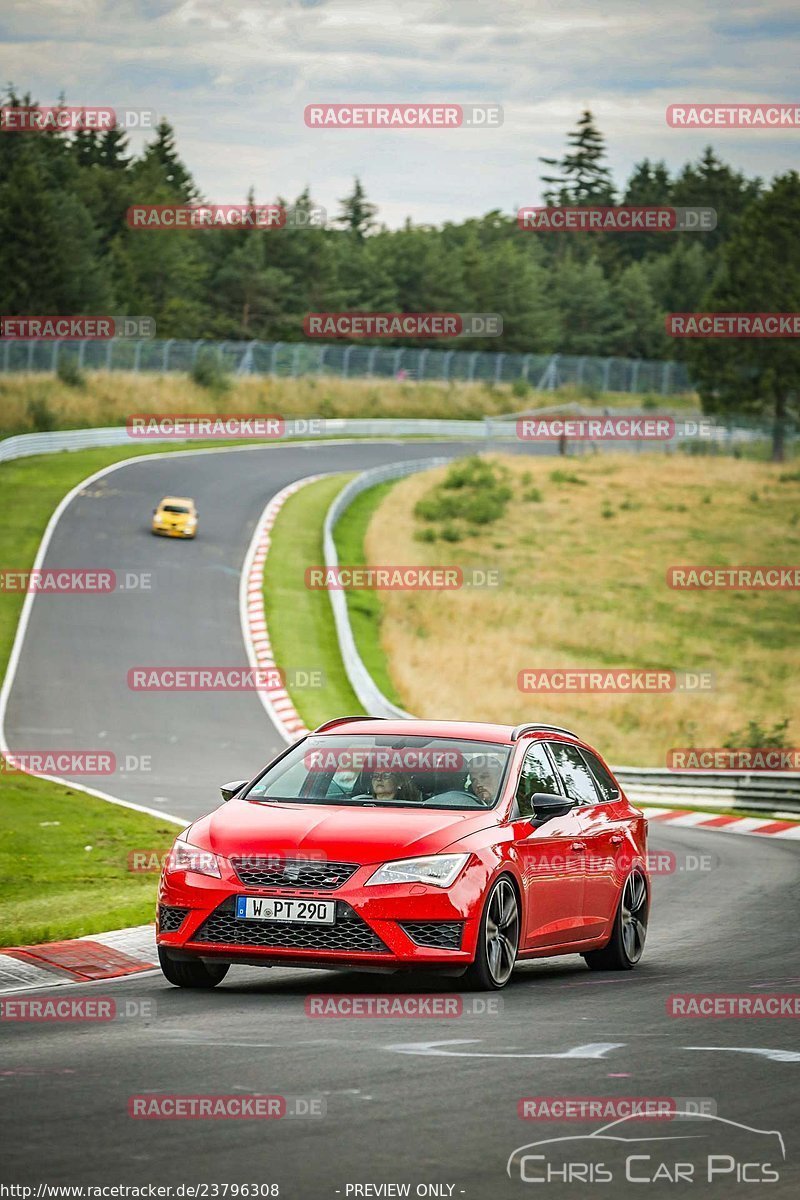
<point>229,790</point>
<point>546,805</point>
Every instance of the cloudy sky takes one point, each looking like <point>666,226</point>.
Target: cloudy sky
<point>234,76</point>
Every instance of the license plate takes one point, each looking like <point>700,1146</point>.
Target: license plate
<point>295,912</point>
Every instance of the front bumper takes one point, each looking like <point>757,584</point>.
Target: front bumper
<point>388,927</point>
<point>173,531</point>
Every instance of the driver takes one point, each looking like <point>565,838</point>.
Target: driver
<point>485,773</point>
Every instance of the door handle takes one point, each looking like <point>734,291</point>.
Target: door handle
<point>616,839</point>
<point>578,846</point>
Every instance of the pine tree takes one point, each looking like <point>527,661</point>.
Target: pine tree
<point>357,214</point>
<point>163,152</point>
<point>582,176</point>
<point>760,273</point>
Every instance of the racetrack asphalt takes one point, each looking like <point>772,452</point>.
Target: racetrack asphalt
<point>398,1109</point>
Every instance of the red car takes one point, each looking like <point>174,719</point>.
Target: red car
<point>393,845</point>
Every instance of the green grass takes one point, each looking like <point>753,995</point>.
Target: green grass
<point>64,863</point>
<point>365,607</point>
<point>300,619</point>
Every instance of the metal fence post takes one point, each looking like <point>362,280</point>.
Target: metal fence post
<point>273,361</point>
<point>346,361</point>
<point>137,356</point>
<point>54,361</point>
<point>472,363</point>
<point>606,369</point>
<point>165,356</point>
<point>423,354</point>
<point>446,364</point>
<point>371,361</point>
<point>498,367</point>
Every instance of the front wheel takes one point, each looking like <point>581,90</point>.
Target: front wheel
<point>498,939</point>
<point>626,944</point>
<point>191,973</point>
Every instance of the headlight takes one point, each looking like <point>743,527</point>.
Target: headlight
<point>185,857</point>
<point>440,870</point>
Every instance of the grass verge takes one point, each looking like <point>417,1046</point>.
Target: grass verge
<point>365,607</point>
<point>583,555</point>
<point>299,619</point>
<point>64,863</point>
<point>42,402</point>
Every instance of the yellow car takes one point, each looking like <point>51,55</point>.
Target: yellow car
<point>176,516</point>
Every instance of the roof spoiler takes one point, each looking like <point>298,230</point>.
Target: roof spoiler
<point>520,729</point>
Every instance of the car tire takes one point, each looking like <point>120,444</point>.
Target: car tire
<point>498,939</point>
<point>191,973</point>
<point>626,944</point>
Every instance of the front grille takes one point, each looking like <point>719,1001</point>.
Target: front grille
<point>293,873</point>
<point>349,932</point>
<point>170,919</point>
<point>439,935</point>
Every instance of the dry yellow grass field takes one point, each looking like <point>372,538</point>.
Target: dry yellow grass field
<point>583,585</point>
<point>30,402</point>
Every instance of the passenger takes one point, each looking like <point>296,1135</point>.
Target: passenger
<point>485,773</point>
<point>389,785</point>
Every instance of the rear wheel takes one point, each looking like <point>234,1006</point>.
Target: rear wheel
<point>626,944</point>
<point>191,973</point>
<point>498,939</point>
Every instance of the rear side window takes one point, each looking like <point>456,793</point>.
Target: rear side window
<point>574,772</point>
<point>606,785</point>
<point>537,775</point>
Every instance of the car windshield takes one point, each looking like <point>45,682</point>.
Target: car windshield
<point>391,771</point>
<point>175,508</point>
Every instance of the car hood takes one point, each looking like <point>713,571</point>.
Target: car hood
<point>344,834</point>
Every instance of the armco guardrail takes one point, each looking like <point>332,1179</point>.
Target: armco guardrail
<point>489,430</point>
<point>369,694</point>
<point>24,445</point>
<point>765,792</point>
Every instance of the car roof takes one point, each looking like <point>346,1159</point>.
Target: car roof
<point>177,500</point>
<point>481,731</point>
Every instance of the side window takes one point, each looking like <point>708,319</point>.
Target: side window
<point>574,772</point>
<point>606,785</point>
<point>537,775</point>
